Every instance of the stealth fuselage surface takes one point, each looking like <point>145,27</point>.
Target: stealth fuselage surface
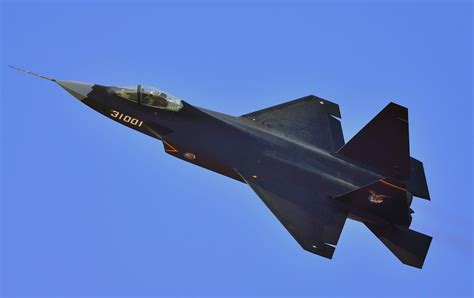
<point>293,155</point>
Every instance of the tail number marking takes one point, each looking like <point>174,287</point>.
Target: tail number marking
<point>126,118</point>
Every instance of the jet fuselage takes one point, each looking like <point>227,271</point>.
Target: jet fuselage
<point>220,142</point>
<point>293,156</point>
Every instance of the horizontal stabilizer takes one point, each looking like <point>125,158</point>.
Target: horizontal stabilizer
<point>409,246</point>
<point>382,145</point>
<point>417,185</point>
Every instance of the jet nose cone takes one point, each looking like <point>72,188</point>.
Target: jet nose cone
<point>77,89</point>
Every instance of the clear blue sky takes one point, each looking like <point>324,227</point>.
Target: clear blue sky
<point>90,207</point>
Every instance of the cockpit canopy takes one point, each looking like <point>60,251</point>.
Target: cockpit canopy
<point>151,97</point>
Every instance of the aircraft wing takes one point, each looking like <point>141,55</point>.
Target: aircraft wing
<point>313,219</point>
<point>310,119</point>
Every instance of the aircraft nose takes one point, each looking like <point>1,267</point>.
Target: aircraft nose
<point>79,90</point>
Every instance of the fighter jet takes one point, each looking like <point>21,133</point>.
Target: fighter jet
<point>293,156</point>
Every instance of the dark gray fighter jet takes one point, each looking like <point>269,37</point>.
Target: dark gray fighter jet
<point>293,155</point>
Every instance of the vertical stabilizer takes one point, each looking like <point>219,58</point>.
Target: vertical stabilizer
<point>383,144</point>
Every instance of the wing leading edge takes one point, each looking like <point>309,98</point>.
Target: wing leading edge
<point>309,119</point>
<point>315,224</point>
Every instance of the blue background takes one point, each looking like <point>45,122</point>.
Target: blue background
<point>90,207</point>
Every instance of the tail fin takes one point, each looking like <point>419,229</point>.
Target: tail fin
<point>409,246</point>
<point>382,202</point>
<point>384,207</point>
<point>383,143</point>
